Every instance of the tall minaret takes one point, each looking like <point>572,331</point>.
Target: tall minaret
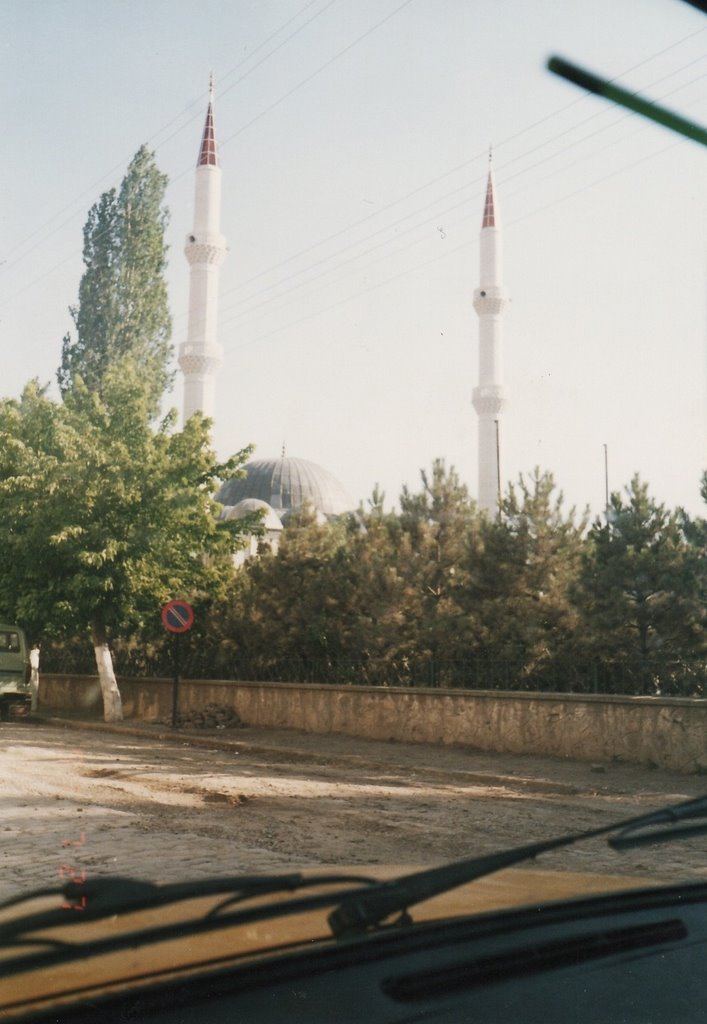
<point>205,249</point>
<point>490,301</point>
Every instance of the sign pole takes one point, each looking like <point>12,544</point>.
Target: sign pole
<point>175,683</point>
<point>177,618</point>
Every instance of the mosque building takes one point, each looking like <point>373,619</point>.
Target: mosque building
<point>281,486</point>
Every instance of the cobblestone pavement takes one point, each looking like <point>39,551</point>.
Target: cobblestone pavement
<point>81,799</point>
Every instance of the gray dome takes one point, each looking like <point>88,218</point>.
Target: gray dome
<point>270,520</point>
<point>287,484</point>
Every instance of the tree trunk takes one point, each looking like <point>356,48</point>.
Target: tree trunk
<point>112,704</point>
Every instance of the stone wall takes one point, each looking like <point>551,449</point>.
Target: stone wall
<point>666,732</point>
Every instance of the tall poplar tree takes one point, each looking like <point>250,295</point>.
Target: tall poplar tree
<point>122,308</point>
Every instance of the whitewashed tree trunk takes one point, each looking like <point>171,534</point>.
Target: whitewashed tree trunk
<point>112,704</point>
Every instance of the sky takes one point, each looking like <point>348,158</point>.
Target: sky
<point>354,139</point>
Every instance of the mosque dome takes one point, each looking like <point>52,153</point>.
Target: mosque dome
<point>286,484</point>
<point>247,505</point>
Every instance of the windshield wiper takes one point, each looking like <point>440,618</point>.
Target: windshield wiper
<point>355,912</point>
<point>362,911</point>
<point>97,898</point>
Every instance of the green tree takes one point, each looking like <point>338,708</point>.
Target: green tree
<point>122,308</point>
<point>641,586</point>
<point>105,518</point>
<point>295,612</point>
<point>523,569</point>
<point>436,527</point>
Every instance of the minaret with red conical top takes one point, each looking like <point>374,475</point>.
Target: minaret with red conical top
<point>205,249</point>
<point>488,398</point>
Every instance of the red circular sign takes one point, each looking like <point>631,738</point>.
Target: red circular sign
<point>178,616</point>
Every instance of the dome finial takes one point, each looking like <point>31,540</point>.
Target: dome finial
<point>283,450</point>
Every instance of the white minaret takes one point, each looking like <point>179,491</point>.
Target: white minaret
<point>490,301</point>
<point>205,249</point>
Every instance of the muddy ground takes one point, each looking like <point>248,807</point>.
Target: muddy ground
<point>77,798</point>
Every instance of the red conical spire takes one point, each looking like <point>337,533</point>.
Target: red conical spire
<point>489,220</point>
<point>208,155</point>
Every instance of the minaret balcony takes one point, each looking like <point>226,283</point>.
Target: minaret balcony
<point>489,400</point>
<point>199,359</point>
<point>209,250</point>
<point>491,300</point>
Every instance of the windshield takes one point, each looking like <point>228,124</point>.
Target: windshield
<point>352,465</point>
<point>9,642</point>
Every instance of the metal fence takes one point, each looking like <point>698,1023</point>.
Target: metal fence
<point>667,678</point>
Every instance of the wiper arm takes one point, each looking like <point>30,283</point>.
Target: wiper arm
<point>361,911</point>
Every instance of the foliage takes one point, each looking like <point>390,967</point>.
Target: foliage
<point>436,529</point>
<point>523,569</point>
<point>642,585</point>
<point>122,308</point>
<point>437,595</point>
<point>104,518</point>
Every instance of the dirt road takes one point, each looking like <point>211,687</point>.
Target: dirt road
<point>97,802</point>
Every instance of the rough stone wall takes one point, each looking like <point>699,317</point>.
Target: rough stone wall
<point>666,732</point>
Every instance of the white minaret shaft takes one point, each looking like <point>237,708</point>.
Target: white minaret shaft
<point>205,249</point>
<point>490,301</point>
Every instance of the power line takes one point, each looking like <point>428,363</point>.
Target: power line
<point>286,96</point>
<point>451,251</point>
<point>465,163</point>
<point>400,200</point>
<point>91,189</point>
<point>396,224</point>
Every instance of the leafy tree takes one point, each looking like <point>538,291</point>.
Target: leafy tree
<point>104,518</point>
<point>642,585</point>
<point>122,308</point>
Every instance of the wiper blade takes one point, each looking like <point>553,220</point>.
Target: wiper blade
<point>662,826</point>
<point>115,896</point>
<point>365,910</point>
<point>97,898</point>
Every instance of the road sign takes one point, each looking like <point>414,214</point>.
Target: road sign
<point>177,616</point>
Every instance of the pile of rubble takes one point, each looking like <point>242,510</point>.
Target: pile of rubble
<point>212,716</point>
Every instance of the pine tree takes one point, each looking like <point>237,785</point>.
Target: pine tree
<point>640,587</point>
<point>522,572</point>
<point>436,527</point>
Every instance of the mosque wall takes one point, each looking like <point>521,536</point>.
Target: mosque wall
<point>663,732</point>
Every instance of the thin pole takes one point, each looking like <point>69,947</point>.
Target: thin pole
<point>498,468</point>
<point>175,683</point>
<point>606,478</point>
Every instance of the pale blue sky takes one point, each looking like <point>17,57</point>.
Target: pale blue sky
<point>354,136</point>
